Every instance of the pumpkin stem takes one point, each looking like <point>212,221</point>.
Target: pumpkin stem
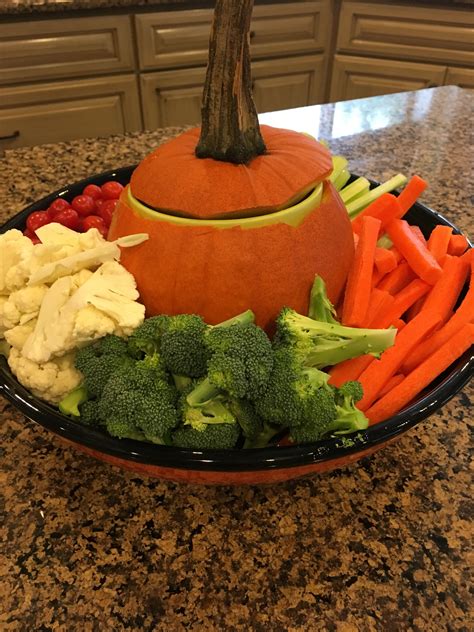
<point>230,129</point>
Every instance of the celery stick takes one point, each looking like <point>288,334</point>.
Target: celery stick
<point>339,163</point>
<point>385,242</point>
<point>358,205</point>
<point>356,188</point>
<point>341,179</point>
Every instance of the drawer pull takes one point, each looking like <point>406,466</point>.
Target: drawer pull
<point>10,136</point>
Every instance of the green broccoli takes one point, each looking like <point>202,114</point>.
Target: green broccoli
<point>101,359</point>
<point>89,414</point>
<point>140,400</point>
<point>69,405</point>
<point>182,345</point>
<point>214,437</point>
<point>247,417</point>
<point>264,437</point>
<point>320,344</point>
<point>146,338</point>
<point>348,417</point>
<point>320,307</point>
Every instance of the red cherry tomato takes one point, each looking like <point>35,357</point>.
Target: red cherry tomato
<point>93,221</point>
<point>68,218</point>
<point>84,205</point>
<point>106,211</point>
<point>111,190</point>
<point>57,206</point>
<point>37,219</point>
<point>93,191</point>
<point>34,238</point>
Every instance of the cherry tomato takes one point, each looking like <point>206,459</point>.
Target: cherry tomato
<point>57,206</point>
<point>34,238</point>
<point>93,191</point>
<point>69,218</point>
<point>93,221</point>
<point>111,190</point>
<point>106,211</point>
<point>84,205</point>
<point>37,219</point>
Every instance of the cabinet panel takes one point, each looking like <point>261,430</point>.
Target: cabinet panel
<point>358,77</point>
<point>407,32</point>
<point>462,77</point>
<point>181,38</point>
<point>38,50</point>
<point>173,97</point>
<point>54,112</point>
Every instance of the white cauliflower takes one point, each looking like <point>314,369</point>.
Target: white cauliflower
<point>50,381</point>
<point>17,336</point>
<point>21,306</point>
<point>14,249</point>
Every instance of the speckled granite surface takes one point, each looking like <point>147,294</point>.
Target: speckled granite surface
<point>385,545</point>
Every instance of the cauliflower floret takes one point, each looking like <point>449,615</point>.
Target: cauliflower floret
<point>22,305</point>
<point>14,249</point>
<point>50,381</point>
<point>17,336</point>
<point>90,324</point>
<point>3,327</point>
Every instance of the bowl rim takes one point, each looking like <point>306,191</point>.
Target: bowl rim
<point>269,458</point>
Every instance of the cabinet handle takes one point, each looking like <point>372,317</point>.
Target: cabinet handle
<point>15,134</point>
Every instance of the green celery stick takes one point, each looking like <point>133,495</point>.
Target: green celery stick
<point>358,205</point>
<point>353,190</point>
<point>342,179</point>
<point>385,242</point>
<point>339,163</point>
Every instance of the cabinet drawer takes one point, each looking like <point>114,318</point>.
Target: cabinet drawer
<point>358,77</point>
<point>181,38</point>
<point>407,32</point>
<point>173,97</point>
<point>53,112</point>
<point>49,49</point>
<point>462,77</point>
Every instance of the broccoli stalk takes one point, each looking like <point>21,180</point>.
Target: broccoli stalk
<point>348,417</point>
<point>320,307</point>
<point>69,405</point>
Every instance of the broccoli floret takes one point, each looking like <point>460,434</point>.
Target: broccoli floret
<point>320,344</point>
<point>89,413</point>
<point>247,417</point>
<point>146,338</point>
<point>241,360</point>
<point>320,307</point>
<point>348,417</point>
<point>101,359</point>
<point>319,420</point>
<point>182,345</point>
<point>69,405</point>
<point>213,412</point>
<point>291,396</point>
<point>266,435</point>
<point>140,399</point>
<point>213,437</point>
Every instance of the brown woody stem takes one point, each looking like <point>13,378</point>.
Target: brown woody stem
<point>230,129</point>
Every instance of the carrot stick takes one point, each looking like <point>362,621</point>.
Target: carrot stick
<point>349,369</point>
<point>458,244</point>
<point>396,280</point>
<point>399,323</point>
<point>377,374</point>
<point>359,281</point>
<point>439,240</point>
<point>462,316</point>
<point>377,303</point>
<point>443,296</point>
<point>414,251</point>
<point>377,316</point>
<point>403,301</point>
<point>393,381</point>
<point>385,260</point>
<point>415,308</point>
<point>416,230</point>
<point>411,193</point>
<point>385,208</point>
<point>422,376</point>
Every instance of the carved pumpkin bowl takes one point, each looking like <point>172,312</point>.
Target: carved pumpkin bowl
<point>262,466</point>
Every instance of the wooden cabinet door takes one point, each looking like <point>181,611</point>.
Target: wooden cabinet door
<point>358,77</point>
<point>33,114</point>
<point>173,97</point>
<point>462,77</point>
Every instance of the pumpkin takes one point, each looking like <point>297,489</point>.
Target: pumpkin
<point>213,202</point>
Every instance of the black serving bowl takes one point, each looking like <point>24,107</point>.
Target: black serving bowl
<point>266,465</point>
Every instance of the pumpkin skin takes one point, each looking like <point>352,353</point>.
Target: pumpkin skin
<point>219,273</point>
<point>171,179</point>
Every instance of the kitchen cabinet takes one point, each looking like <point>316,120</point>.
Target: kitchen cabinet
<point>383,47</point>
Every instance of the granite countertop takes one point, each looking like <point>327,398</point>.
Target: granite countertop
<point>382,545</point>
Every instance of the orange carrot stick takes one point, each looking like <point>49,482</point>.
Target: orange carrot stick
<point>416,230</point>
<point>393,381</point>
<point>359,281</point>
<point>377,316</point>
<point>377,374</point>
<point>414,251</point>
<point>439,240</point>
<point>422,376</point>
<point>385,260</point>
<point>396,280</point>
<point>399,323</point>
<point>385,208</point>
<point>458,244</point>
<point>377,302</point>
<point>444,294</point>
<point>411,193</point>
<point>403,301</point>
<point>462,316</point>
<point>349,369</point>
